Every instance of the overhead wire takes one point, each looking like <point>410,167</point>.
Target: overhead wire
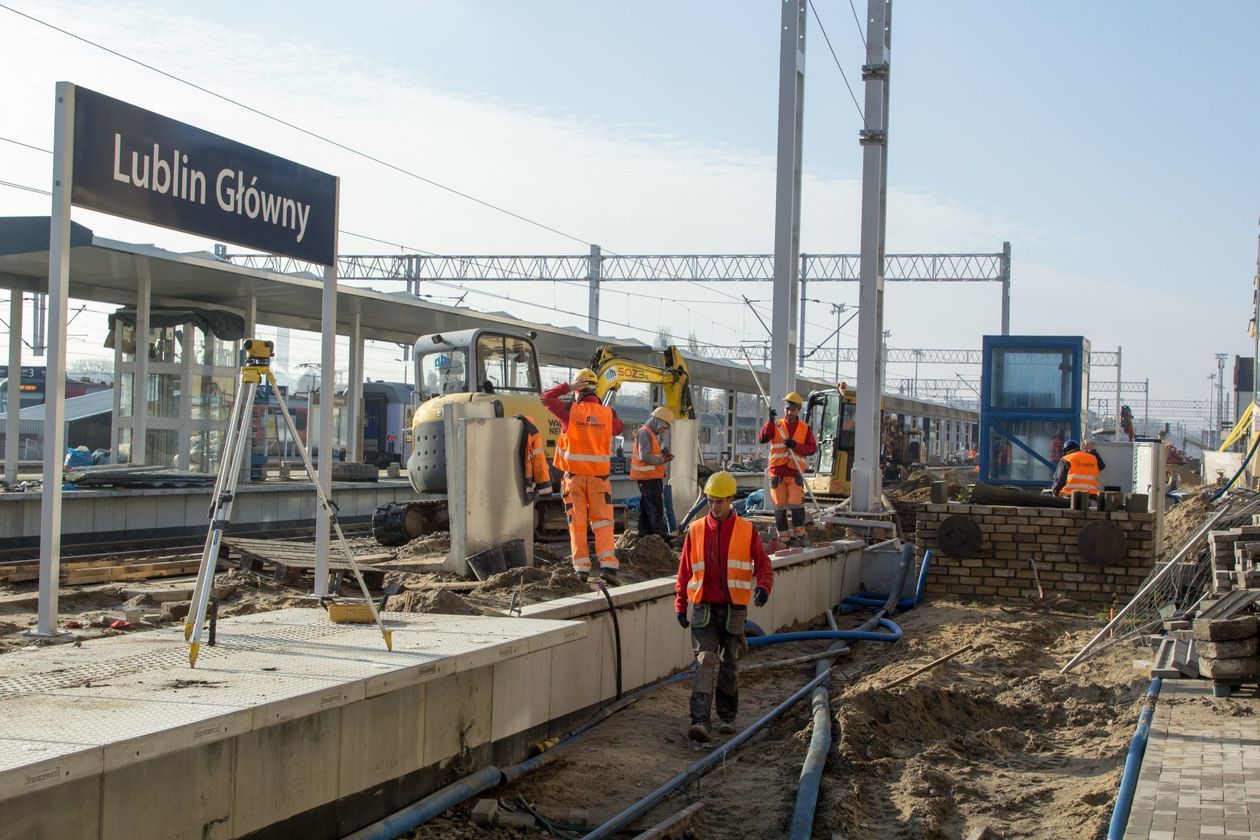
<point>315,135</point>
<point>836,59</point>
<point>858,22</point>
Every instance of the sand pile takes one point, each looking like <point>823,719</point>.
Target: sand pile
<point>430,545</point>
<point>653,557</point>
<point>533,582</point>
<point>1183,521</point>
<point>441,601</point>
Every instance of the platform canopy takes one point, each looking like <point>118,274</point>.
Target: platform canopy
<point>107,271</point>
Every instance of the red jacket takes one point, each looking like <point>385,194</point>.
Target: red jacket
<point>808,448</point>
<point>560,408</point>
<point>718,533</point>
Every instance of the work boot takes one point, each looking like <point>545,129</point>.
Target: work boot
<point>582,576</point>
<point>726,727</point>
<point>699,732</point>
<point>609,575</point>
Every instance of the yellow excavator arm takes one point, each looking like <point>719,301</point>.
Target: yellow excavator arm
<point>613,369</point>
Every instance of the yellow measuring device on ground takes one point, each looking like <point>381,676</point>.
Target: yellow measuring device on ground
<point>256,371</point>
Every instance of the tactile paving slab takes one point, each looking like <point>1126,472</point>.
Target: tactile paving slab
<point>67,710</point>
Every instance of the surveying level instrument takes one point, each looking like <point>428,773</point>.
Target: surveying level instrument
<point>256,370</point>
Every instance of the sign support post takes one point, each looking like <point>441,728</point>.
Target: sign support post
<point>327,394</point>
<point>54,442</point>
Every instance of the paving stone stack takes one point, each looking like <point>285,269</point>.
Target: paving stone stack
<point>1236,558</point>
<point>1228,651</point>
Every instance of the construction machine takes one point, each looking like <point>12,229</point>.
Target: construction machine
<point>830,414</point>
<point>498,367</point>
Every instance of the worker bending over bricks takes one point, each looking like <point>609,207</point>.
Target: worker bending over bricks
<point>722,568</point>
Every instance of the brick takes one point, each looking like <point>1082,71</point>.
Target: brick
<point>1003,573</point>
<point>1009,592</point>
<point>986,590</point>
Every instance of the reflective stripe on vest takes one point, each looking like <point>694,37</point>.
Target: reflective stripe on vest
<point>640,471</point>
<point>1082,473</point>
<point>779,456</point>
<point>589,439</point>
<point>739,566</point>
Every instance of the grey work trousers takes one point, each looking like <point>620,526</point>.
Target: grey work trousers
<point>717,637</point>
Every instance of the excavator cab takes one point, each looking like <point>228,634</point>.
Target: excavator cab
<point>614,367</point>
<point>830,414</point>
<point>468,362</point>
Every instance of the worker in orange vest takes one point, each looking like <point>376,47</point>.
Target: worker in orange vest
<point>1078,469</point>
<point>723,567</point>
<point>791,441</point>
<point>583,453</point>
<point>534,459</point>
<point>647,466</point>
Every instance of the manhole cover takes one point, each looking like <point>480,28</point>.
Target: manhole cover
<point>958,536</point>
<point>1101,542</point>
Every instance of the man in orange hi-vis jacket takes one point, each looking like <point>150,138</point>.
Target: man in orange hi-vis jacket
<point>583,453</point>
<point>791,441</point>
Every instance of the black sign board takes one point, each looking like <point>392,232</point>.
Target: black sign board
<point>140,165</point>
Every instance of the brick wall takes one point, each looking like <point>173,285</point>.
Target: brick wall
<point>1012,535</point>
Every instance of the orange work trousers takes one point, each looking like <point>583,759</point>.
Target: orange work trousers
<point>588,501</point>
<point>788,495</point>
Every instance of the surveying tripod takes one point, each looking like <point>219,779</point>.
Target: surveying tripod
<point>256,370</point>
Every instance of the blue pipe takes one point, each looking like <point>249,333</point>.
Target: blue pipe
<point>877,599</point>
<point>1133,764</point>
<point>752,628</point>
<point>705,764</point>
<point>416,814</point>
<point>851,635</point>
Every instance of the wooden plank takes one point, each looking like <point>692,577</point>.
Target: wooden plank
<point>131,571</point>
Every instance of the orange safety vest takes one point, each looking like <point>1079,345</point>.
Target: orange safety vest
<point>640,471</point>
<point>558,460</point>
<point>589,439</point>
<point>534,456</point>
<point>779,454</point>
<point>739,565</point>
<point>1082,473</point>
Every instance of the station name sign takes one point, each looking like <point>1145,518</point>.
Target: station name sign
<point>140,165</point>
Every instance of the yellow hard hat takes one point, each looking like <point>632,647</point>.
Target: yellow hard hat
<point>794,399</point>
<point>586,375</point>
<point>721,485</point>
<point>663,414</point>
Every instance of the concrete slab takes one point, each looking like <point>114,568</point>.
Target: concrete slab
<point>66,712</point>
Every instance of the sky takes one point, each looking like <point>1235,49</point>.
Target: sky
<point>1111,144</point>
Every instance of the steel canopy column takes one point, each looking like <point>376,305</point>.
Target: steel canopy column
<point>800,322</point>
<point>251,326</point>
<point>874,140</point>
<point>1006,288</point>
<point>327,389</point>
<point>594,267</point>
<point>354,390</point>
<point>54,442</point>
<point>787,205</point>
<point>14,407</point>
<point>140,389</point>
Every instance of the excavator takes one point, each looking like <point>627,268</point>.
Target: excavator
<point>498,366</point>
<point>830,413</point>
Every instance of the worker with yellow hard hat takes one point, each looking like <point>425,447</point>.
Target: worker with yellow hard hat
<point>791,442</point>
<point>583,454</point>
<point>722,569</point>
<point>647,466</point>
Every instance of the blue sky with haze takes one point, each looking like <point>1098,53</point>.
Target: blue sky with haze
<point>1112,143</point>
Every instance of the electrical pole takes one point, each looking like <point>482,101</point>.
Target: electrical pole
<point>874,141</point>
<point>1221,405</point>
<point>838,309</point>
<point>787,204</point>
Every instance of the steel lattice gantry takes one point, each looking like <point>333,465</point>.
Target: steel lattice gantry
<point>602,266</point>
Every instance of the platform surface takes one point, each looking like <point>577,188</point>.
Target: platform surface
<point>67,712</point>
<point>1201,771</point>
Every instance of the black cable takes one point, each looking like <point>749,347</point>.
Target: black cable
<point>616,632</point>
<point>858,22</point>
<point>834,58</point>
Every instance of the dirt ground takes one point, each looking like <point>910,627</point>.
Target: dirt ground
<point>994,737</point>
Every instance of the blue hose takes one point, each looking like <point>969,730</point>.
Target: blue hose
<point>1133,764</point>
<point>850,635</point>
<point>752,628</point>
<point>1241,468</point>
<point>878,599</point>
<point>400,822</point>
